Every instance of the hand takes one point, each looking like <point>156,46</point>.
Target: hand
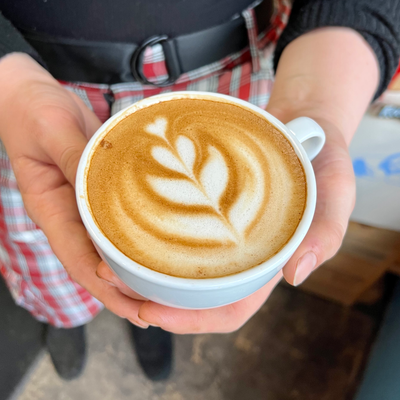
<point>45,128</point>
<point>216,320</point>
<point>336,196</point>
<point>330,75</point>
<point>335,200</point>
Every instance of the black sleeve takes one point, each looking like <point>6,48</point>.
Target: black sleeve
<point>11,41</point>
<point>378,21</point>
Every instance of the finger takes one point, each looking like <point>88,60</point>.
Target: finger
<point>218,320</point>
<point>55,212</point>
<point>65,147</point>
<point>104,272</point>
<point>92,122</point>
<point>335,202</point>
<point>69,242</point>
<point>53,130</point>
<point>60,132</point>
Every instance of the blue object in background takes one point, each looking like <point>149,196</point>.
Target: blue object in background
<point>382,376</point>
<point>361,168</point>
<point>391,164</point>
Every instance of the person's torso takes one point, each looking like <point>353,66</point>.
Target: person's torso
<point>119,20</point>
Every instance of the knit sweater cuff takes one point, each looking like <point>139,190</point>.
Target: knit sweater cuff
<point>375,20</point>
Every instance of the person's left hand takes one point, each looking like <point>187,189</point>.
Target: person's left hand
<point>336,196</point>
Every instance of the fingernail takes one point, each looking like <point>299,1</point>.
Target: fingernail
<point>142,324</point>
<point>148,323</point>
<point>108,282</point>
<point>105,280</point>
<point>305,266</point>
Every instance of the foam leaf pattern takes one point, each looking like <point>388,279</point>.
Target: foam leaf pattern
<point>181,191</point>
<point>245,209</point>
<point>167,159</point>
<point>158,127</point>
<point>186,151</point>
<point>208,188</point>
<point>214,176</point>
<point>202,227</point>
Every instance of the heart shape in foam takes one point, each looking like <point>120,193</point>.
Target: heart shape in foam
<point>158,127</point>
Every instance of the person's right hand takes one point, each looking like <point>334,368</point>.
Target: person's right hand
<point>45,128</point>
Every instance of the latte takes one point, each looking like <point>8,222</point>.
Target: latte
<point>196,188</point>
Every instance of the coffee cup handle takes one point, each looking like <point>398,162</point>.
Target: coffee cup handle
<point>309,134</point>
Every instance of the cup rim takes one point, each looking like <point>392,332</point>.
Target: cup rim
<point>148,274</point>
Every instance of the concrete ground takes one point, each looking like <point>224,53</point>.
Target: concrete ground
<point>297,347</point>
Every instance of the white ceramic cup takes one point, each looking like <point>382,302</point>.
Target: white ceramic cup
<point>307,139</point>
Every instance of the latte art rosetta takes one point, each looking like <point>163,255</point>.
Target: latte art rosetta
<point>206,189</point>
<point>196,188</point>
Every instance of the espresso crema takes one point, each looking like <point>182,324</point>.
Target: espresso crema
<point>196,188</point>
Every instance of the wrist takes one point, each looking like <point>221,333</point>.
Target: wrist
<point>303,103</point>
<point>306,96</point>
<point>287,110</point>
<point>330,74</point>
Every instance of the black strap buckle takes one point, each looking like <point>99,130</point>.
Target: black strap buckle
<point>171,61</point>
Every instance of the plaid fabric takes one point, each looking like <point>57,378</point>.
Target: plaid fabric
<point>35,277</point>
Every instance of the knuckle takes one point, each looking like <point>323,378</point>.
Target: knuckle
<point>39,125</point>
<point>49,109</point>
<point>45,120</point>
<point>336,235</point>
<point>327,245</point>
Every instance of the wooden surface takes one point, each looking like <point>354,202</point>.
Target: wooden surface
<point>366,254</point>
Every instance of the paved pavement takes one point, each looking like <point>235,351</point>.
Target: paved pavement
<point>297,347</point>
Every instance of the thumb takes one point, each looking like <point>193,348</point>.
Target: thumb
<point>321,243</point>
<point>335,202</point>
<point>92,122</point>
<point>67,150</point>
<point>63,135</point>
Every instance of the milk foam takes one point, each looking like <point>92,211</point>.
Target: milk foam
<point>197,188</point>
<point>203,191</point>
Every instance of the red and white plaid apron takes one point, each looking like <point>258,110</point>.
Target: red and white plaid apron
<point>35,277</point>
